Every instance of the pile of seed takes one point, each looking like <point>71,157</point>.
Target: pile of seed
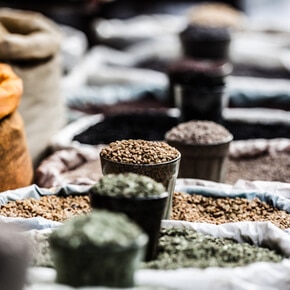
<point>198,208</point>
<point>139,151</point>
<point>181,248</point>
<point>52,207</point>
<point>198,132</point>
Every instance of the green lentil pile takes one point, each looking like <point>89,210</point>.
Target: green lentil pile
<point>182,248</point>
<point>198,208</point>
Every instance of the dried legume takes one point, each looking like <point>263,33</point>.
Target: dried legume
<point>52,207</point>
<point>198,208</point>
<point>139,151</point>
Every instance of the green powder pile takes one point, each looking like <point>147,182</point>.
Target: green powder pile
<point>182,248</point>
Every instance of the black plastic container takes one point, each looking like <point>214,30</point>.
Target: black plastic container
<point>198,88</point>
<point>165,173</point>
<point>147,212</point>
<point>205,42</point>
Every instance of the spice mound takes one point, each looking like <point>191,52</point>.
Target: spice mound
<point>198,208</point>
<point>199,132</point>
<point>139,151</point>
<point>128,185</point>
<point>181,248</point>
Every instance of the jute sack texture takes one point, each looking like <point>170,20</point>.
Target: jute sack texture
<point>16,168</point>
<point>30,44</point>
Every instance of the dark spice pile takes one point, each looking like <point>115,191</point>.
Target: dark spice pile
<point>243,131</point>
<point>261,167</point>
<point>149,126</point>
<point>180,248</point>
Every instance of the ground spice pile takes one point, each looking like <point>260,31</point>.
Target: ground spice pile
<point>181,248</point>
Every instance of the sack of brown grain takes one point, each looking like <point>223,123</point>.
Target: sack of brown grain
<point>16,164</point>
<point>30,43</point>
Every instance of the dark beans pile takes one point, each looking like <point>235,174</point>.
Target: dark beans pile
<point>198,132</point>
<point>149,126</point>
<point>198,208</point>
<point>181,248</point>
<point>243,130</point>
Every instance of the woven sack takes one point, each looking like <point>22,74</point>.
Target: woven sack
<point>16,164</point>
<point>30,43</point>
<point>10,90</point>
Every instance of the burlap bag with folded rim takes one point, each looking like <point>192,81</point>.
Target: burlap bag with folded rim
<point>16,164</point>
<point>30,43</point>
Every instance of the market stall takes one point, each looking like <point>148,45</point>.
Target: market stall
<point>183,116</point>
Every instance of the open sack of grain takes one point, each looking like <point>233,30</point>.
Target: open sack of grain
<point>30,43</point>
<point>256,275</point>
<point>40,218</point>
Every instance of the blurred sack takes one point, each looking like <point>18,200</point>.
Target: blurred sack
<point>16,164</point>
<point>30,43</point>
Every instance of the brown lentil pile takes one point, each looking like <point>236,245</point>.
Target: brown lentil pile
<point>198,208</point>
<point>138,151</point>
<point>52,207</point>
<point>198,132</point>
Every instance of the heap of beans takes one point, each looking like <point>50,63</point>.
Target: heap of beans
<point>52,207</point>
<point>198,208</point>
<point>138,151</point>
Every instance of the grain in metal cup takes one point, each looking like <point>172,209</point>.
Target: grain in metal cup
<point>155,159</point>
<point>204,147</point>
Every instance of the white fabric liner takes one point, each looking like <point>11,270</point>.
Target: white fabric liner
<point>256,276</point>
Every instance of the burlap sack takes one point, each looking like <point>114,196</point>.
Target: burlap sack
<point>30,43</point>
<point>27,35</point>
<point>10,90</point>
<point>16,165</point>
